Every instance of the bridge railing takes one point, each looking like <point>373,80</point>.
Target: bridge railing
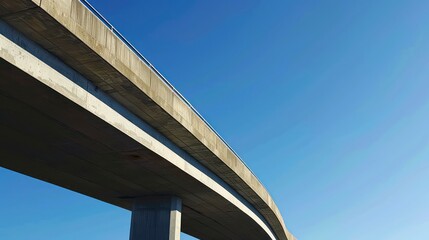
<point>175,91</point>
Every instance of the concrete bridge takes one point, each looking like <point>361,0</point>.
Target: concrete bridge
<point>82,109</point>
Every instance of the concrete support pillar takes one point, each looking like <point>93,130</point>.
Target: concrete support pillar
<point>156,218</point>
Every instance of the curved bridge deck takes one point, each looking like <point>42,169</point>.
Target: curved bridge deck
<point>81,110</point>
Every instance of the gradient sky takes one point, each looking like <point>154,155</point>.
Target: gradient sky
<point>326,101</point>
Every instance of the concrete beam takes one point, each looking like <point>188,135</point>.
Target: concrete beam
<point>81,139</point>
<point>70,31</point>
<point>156,217</point>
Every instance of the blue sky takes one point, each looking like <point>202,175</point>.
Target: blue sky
<point>326,101</point>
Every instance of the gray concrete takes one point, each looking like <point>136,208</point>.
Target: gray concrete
<point>58,127</point>
<point>156,217</point>
<point>103,124</point>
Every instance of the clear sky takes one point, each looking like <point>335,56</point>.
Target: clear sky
<point>326,101</point>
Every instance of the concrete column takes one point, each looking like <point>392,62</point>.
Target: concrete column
<point>156,218</point>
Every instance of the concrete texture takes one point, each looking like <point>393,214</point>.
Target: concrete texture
<point>72,33</point>
<point>81,139</point>
<point>156,217</point>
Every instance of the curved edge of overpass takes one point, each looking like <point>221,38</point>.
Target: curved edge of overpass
<point>75,35</point>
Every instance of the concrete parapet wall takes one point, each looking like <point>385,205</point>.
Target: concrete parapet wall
<point>74,34</point>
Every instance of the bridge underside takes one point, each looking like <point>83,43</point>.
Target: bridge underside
<point>49,137</point>
<point>62,133</point>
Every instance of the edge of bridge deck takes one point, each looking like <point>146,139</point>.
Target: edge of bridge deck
<point>87,42</point>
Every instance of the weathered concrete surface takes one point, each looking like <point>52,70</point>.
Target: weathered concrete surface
<point>71,32</point>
